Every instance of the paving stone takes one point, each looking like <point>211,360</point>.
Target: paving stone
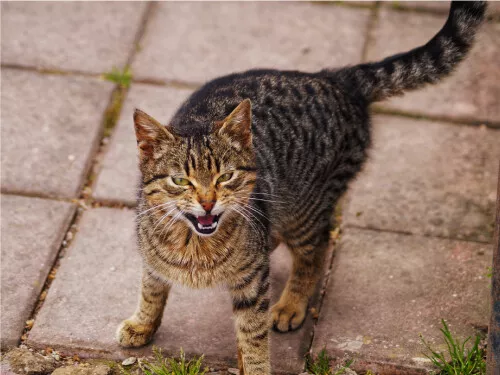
<point>91,37</point>
<point>386,289</point>
<point>97,287</point>
<point>32,231</point>
<point>197,41</point>
<point>471,94</point>
<point>119,176</point>
<point>50,126</point>
<point>427,178</point>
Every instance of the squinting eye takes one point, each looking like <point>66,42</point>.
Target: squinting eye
<point>180,181</point>
<point>225,177</point>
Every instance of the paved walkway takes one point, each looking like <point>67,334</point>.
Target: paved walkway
<point>417,223</point>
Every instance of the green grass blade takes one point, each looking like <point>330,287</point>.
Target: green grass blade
<point>462,361</point>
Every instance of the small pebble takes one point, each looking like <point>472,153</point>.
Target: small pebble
<point>129,361</point>
<point>314,313</point>
<point>69,236</point>
<point>112,268</point>
<point>56,356</point>
<point>71,157</point>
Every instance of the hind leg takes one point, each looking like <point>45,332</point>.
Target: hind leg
<point>308,251</point>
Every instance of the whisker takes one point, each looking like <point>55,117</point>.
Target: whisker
<point>251,214</point>
<point>264,200</point>
<point>159,206</point>
<point>256,210</point>
<point>247,219</point>
<point>163,218</point>
<point>171,222</point>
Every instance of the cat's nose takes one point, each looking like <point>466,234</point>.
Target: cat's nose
<point>207,205</point>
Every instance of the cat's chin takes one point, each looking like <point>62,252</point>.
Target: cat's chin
<point>204,225</point>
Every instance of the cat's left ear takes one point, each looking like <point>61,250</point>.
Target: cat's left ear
<point>238,125</point>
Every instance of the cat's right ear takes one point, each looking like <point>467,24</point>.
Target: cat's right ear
<point>149,133</point>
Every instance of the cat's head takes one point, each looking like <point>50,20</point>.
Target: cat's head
<point>200,179</point>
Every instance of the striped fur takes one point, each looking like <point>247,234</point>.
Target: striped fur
<point>426,64</point>
<point>268,153</point>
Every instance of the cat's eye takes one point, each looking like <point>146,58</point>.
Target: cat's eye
<point>225,177</point>
<point>181,181</point>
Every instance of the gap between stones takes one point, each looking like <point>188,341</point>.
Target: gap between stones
<point>372,22</point>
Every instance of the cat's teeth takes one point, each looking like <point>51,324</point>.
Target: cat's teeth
<point>211,226</point>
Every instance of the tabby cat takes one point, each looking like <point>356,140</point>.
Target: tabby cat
<point>257,158</point>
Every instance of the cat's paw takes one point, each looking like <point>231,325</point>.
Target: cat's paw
<point>289,314</point>
<point>131,334</point>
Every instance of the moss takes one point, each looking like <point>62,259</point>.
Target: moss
<point>112,113</point>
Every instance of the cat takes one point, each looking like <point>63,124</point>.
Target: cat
<point>257,158</point>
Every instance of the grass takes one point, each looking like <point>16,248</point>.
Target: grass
<point>321,365</point>
<point>120,77</point>
<point>464,361</point>
<point>160,365</point>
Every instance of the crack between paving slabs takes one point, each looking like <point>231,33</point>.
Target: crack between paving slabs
<point>404,233</point>
<point>335,236</point>
<point>378,109</point>
<point>370,27</point>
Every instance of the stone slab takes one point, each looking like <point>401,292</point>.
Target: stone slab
<point>97,287</point>
<point>197,41</point>
<point>91,37</point>
<point>32,231</point>
<point>50,126</point>
<point>427,178</point>
<point>471,94</point>
<point>119,175</point>
<point>386,289</point>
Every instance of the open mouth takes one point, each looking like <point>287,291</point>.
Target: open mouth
<point>204,224</point>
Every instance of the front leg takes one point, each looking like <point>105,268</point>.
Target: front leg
<point>139,329</point>
<point>250,307</point>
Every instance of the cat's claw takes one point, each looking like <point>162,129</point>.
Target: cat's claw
<point>132,334</point>
<point>289,315</point>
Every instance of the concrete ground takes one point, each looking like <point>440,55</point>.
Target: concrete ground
<point>417,224</point>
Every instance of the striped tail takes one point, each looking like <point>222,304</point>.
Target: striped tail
<point>426,64</point>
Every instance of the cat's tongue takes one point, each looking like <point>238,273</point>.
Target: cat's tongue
<point>206,220</point>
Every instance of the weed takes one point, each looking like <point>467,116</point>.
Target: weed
<point>489,272</point>
<point>122,78</point>
<point>113,110</point>
<point>463,361</point>
<point>171,366</point>
<point>321,365</point>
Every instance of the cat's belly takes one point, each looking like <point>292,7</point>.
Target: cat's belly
<point>192,273</point>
